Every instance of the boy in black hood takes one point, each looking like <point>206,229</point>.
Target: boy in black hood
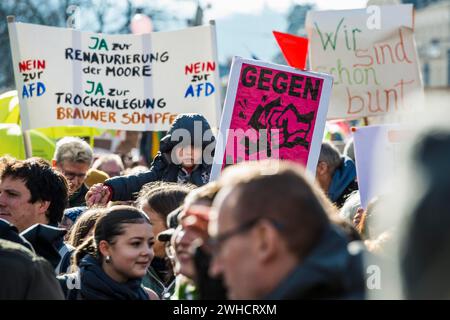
<point>178,160</point>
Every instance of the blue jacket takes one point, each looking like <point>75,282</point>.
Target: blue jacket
<point>343,182</point>
<point>330,271</point>
<point>162,168</point>
<point>48,242</point>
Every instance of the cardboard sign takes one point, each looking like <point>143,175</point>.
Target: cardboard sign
<point>272,111</point>
<point>372,56</point>
<point>131,82</point>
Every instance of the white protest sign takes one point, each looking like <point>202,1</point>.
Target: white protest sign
<point>131,82</point>
<point>372,56</point>
<point>378,153</point>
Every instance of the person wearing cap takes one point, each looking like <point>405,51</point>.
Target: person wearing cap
<point>185,161</point>
<point>335,174</point>
<point>172,223</point>
<point>94,176</point>
<point>110,264</point>
<point>70,216</point>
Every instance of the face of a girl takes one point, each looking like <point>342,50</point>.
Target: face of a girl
<point>159,225</point>
<point>130,252</point>
<point>188,156</point>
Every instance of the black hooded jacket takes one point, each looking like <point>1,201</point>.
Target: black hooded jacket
<point>162,168</point>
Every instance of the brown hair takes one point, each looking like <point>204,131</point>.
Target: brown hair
<point>43,182</point>
<point>83,225</point>
<point>163,197</point>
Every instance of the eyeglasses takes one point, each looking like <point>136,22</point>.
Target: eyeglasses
<point>71,175</point>
<point>217,242</point>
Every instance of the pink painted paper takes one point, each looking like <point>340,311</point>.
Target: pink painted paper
<point>294,143</point>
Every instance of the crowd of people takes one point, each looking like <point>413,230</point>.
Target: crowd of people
<point>80,229</point>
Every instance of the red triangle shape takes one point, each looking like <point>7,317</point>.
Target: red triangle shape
<point>294,48</point>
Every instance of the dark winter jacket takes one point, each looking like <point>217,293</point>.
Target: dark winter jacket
<point>48,242</point>
<point>9,232</point>
<point>25,276</point>
<point>92,283</point>
<point>330,271</point>
<point>162,168</point>
<point>343,182</point>
<point>77,199</point>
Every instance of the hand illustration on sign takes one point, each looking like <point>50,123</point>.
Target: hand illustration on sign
<point>291,126</point>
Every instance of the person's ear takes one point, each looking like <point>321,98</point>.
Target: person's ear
<point>53,163</point>
<point>104,248</point>
<point>43,206</point>
<point>268,241</point>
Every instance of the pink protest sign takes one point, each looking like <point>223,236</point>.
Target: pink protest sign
<point>272,111</point>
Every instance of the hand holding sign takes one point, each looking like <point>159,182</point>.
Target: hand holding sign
<point>98,194</point>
